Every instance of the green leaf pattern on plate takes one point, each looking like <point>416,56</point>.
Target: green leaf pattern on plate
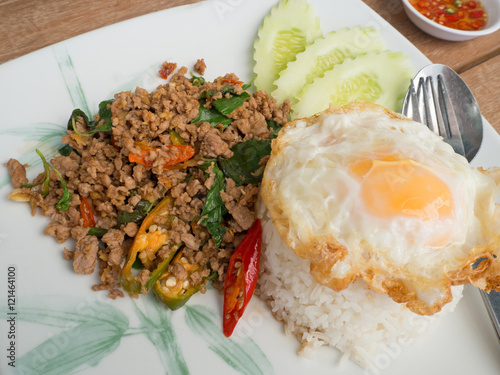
<point>157,326</point>
<point>71,80</point>
<point>90,331</point>
<point>48,140</point>
<point>244,356</point>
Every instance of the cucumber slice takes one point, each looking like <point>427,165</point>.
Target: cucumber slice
<point>380,78</point>
<point>286,31</point>
<point>322,56</point>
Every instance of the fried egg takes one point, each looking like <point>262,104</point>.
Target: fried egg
<point>362,192</point>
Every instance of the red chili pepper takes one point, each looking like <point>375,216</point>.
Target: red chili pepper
<point>178,153</point>
<point>477,14</point>
<point>234,81</point>
<point>241,278</point>
<point>86,212</point>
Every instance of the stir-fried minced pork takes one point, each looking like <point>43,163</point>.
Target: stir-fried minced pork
<point>163,144</point>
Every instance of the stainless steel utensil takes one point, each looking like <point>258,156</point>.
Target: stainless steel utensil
<point>451,97</point>
<point>439,98</point>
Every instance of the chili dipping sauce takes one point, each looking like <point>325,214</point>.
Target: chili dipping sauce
<point>457,14</point>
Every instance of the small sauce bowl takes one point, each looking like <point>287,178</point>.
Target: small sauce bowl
<point>447,33</point>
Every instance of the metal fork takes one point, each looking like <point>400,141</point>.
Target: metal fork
<point>443,102</point>
<point>439,98</point>
<point>430,104</point>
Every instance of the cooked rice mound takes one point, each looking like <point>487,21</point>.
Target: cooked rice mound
<point>358,321</point>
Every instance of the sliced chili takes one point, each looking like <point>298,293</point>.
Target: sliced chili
<point>176,153</point>
<point>149,243</point>
<point>86,213</point>
<point>233,81</point>
<point>175,292</point>
<point>241,278</point>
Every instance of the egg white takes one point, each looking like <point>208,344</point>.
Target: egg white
<point>315,203</point>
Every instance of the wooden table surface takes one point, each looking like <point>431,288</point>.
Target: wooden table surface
<point>28,25</point>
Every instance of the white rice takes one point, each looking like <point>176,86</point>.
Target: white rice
<point>358,321</point>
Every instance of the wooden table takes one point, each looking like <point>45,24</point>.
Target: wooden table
<point>27,25</point>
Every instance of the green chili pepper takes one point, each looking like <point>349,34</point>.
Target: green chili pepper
<point>148,241</point>
<point>176,138</point>
<point>173,292</point>
<point>197,81</point>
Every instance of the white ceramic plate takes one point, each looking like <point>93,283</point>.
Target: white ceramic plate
<point>61,326</point>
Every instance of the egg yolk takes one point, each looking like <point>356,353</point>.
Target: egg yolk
<point>394,186</point>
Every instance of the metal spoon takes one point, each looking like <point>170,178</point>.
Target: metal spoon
<point>464,110</point>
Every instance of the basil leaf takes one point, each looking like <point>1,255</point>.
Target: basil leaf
<point>212,116</point>
<point>243,167</point>
<point>228,105</point>
<point>226,89</point>
<point>98,232</point>
<point>214,209</point>
<point>141,210</point>
<point>104,114</point>
<point>66,150</point>
<point>103,125</point>
<point>247,85</point>
<point>77,113</point>
<point>274,128</point>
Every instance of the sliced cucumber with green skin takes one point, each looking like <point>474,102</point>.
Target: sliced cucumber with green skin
<point>286,31</point>
<point>322,56</point>
<point>380,78</point>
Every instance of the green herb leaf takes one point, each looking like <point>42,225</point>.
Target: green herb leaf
<point>212,116</point>
<point>274,128</point>
<point>243,167</point>
<point>140,212</point>
<point>226,89</point>
<point>214,209</point>
<point>103,125</point>
<point>247,85</point>
<point>105,116</point>
<point>63,203</point>
<point>66,150</point>
<point>98,232</point>
<point>77,113</point>
<point>228,105</point>
<point>46,177</point>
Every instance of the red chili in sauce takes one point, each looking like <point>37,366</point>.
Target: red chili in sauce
<point>457,14</point>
